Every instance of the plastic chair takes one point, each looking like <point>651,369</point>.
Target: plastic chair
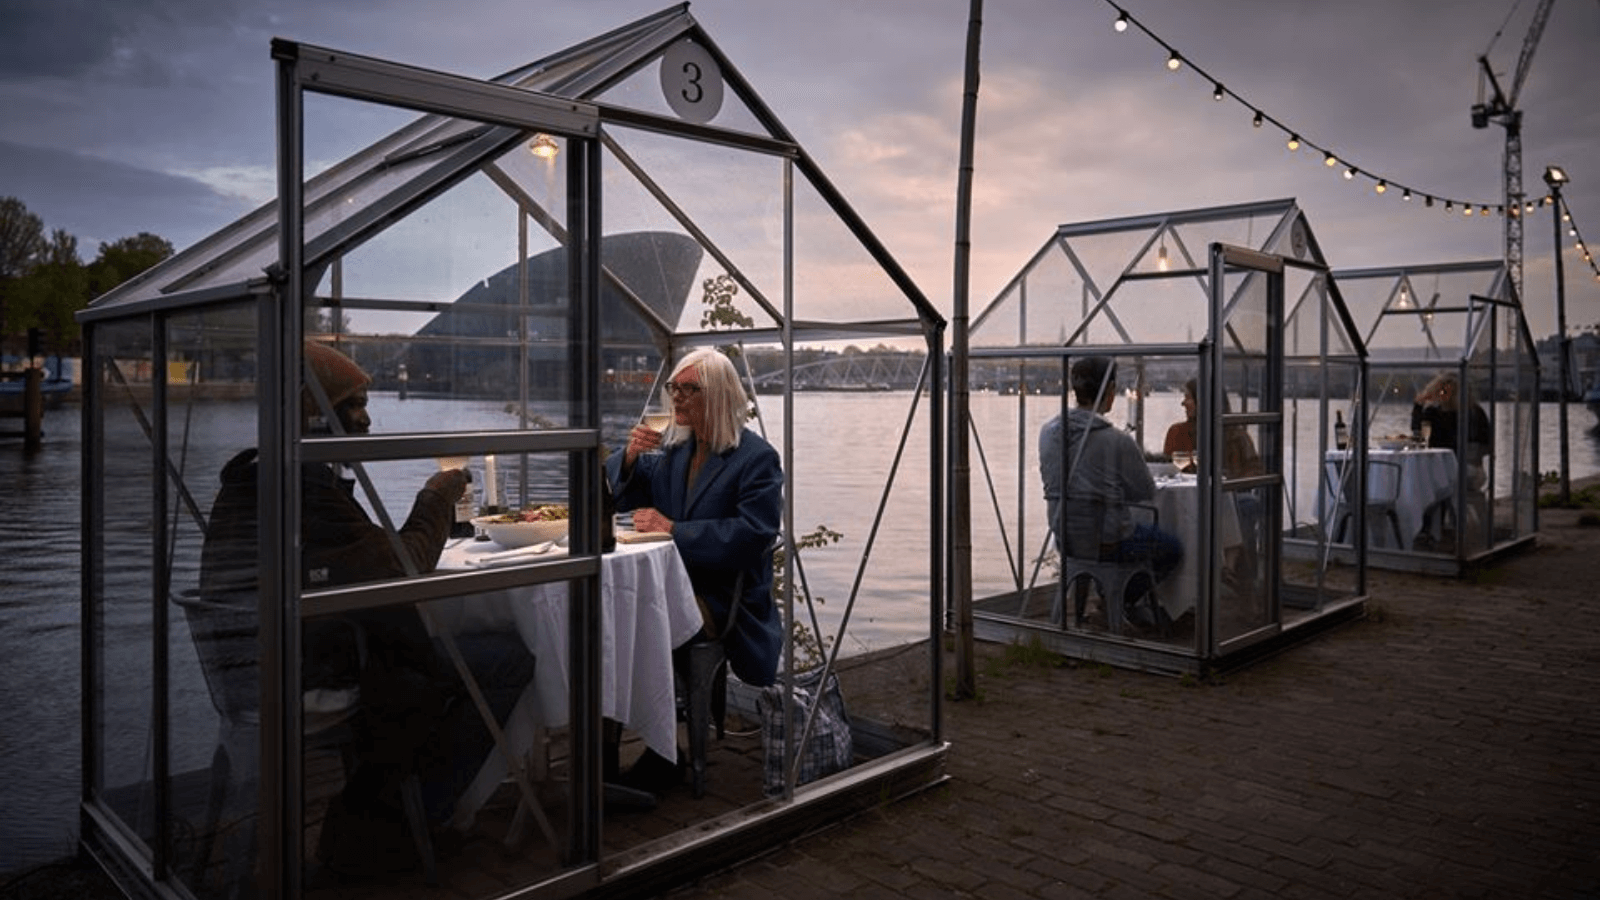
<point>705,690</point>
<point>225,640</point>
<point>1383,495</point>
<point>1083,562</point>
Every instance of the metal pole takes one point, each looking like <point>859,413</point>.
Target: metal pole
<point>960,468</point>
<point>1561,343</point>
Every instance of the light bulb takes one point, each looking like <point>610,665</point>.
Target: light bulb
<point>1406,196</point>
<point>1350,173</point>
<point>1174,61</point>
<point>1294,142</point>
<point>1121,24</point>
<point>1217,93</point>
<point>1330,160</point>
<point>1382,186</point>
<point>544,146</point>
<point>1161,258</point>
<point>1257,120</point>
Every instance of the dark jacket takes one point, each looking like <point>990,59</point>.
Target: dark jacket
<point>405,691</point>
<point>724,530</point>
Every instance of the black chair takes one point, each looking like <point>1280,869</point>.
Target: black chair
<point>1383,495</point>
<point>225,641</point>
<point>704,690</point>
<point>1084,562</point>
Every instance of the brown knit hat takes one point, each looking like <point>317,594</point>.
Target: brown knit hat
<point>338,374</point>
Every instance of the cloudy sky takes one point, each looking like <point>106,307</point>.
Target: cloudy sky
<point>157,115</point>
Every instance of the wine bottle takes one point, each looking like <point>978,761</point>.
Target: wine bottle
<point>1341,434</point>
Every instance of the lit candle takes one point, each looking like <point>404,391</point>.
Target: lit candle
<point>491,485</point>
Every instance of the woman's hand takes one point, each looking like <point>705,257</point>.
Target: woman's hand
<point>649,519</point>
<point>641,439</point>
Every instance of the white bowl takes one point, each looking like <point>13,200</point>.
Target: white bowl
<point>1393,444</point>
<point>521,534</point>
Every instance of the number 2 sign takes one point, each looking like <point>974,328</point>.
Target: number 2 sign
<point>691,82</point>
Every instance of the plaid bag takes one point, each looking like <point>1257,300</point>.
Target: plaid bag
<point>829,746</point>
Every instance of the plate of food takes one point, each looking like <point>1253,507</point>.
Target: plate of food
<point>532,525</point>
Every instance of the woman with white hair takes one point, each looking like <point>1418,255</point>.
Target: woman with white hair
<point>717,488</point>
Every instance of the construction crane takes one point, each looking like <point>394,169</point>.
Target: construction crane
<point>1501,108</point>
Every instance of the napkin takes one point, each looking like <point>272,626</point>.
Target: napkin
<point>642,537</point>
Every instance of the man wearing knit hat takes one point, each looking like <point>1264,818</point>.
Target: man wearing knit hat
<point>411,717</point>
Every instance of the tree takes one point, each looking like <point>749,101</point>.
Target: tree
<point>124,258</point>
<point>21,244</point>
<point>49,295</point>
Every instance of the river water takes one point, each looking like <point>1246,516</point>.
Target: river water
<point>847,443</point>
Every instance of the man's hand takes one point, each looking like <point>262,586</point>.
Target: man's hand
<point>452,483</point>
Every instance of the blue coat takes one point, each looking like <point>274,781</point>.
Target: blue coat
<point>724,530</point>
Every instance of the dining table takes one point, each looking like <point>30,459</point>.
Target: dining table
<point>647,608</point>
<point>1427,478</point>
<point>1177,501</point>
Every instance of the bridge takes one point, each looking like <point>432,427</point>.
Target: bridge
<point>850,372</point>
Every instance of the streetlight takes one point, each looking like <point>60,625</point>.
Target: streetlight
<point>1555,176</point>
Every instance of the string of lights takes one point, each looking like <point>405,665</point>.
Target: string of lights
<point>1260,118</point>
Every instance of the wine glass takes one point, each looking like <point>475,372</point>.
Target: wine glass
<point>1183,459</point>
<point>656,418</point>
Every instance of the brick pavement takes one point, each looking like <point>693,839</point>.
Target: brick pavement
<point>1448,746</point>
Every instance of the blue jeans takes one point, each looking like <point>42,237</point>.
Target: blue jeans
<point>1147,543</point>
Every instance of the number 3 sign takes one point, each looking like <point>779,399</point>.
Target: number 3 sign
<point>692,82</point>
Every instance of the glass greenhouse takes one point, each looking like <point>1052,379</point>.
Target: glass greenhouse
<point>1459,478</point>
<point>512,267</point>
<point>1227,311</point>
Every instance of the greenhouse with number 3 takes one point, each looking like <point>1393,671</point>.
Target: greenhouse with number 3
<point>310,670</point>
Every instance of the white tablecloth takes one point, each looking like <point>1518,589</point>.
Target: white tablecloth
<point>647,608</point>
<point>1426,477</point>
<point>1178,502</point>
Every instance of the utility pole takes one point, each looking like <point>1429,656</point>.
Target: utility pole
<point>960,467</point>
<point>1555,176</point>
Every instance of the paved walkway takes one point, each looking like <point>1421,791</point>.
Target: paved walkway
<point>1448,746</point>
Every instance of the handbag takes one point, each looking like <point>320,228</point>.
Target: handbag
<point>829,746</point>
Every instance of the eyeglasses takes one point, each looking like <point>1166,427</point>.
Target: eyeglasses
<point>681,391</point>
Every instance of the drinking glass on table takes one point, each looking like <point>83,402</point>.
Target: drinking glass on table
<point>1184,460</point>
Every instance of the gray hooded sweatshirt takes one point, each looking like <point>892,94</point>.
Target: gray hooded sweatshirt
<point>1108,473</point>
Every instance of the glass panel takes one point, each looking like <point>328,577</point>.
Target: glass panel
<point>214,682</point>
<point>836,280</point>
<point>1247,586</point>
<point>121,592</point>
<point>733,198</point>
<point>453,315</point>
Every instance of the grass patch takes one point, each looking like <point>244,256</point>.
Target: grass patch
<point>1032,655</point>
<point>1587,497</point>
